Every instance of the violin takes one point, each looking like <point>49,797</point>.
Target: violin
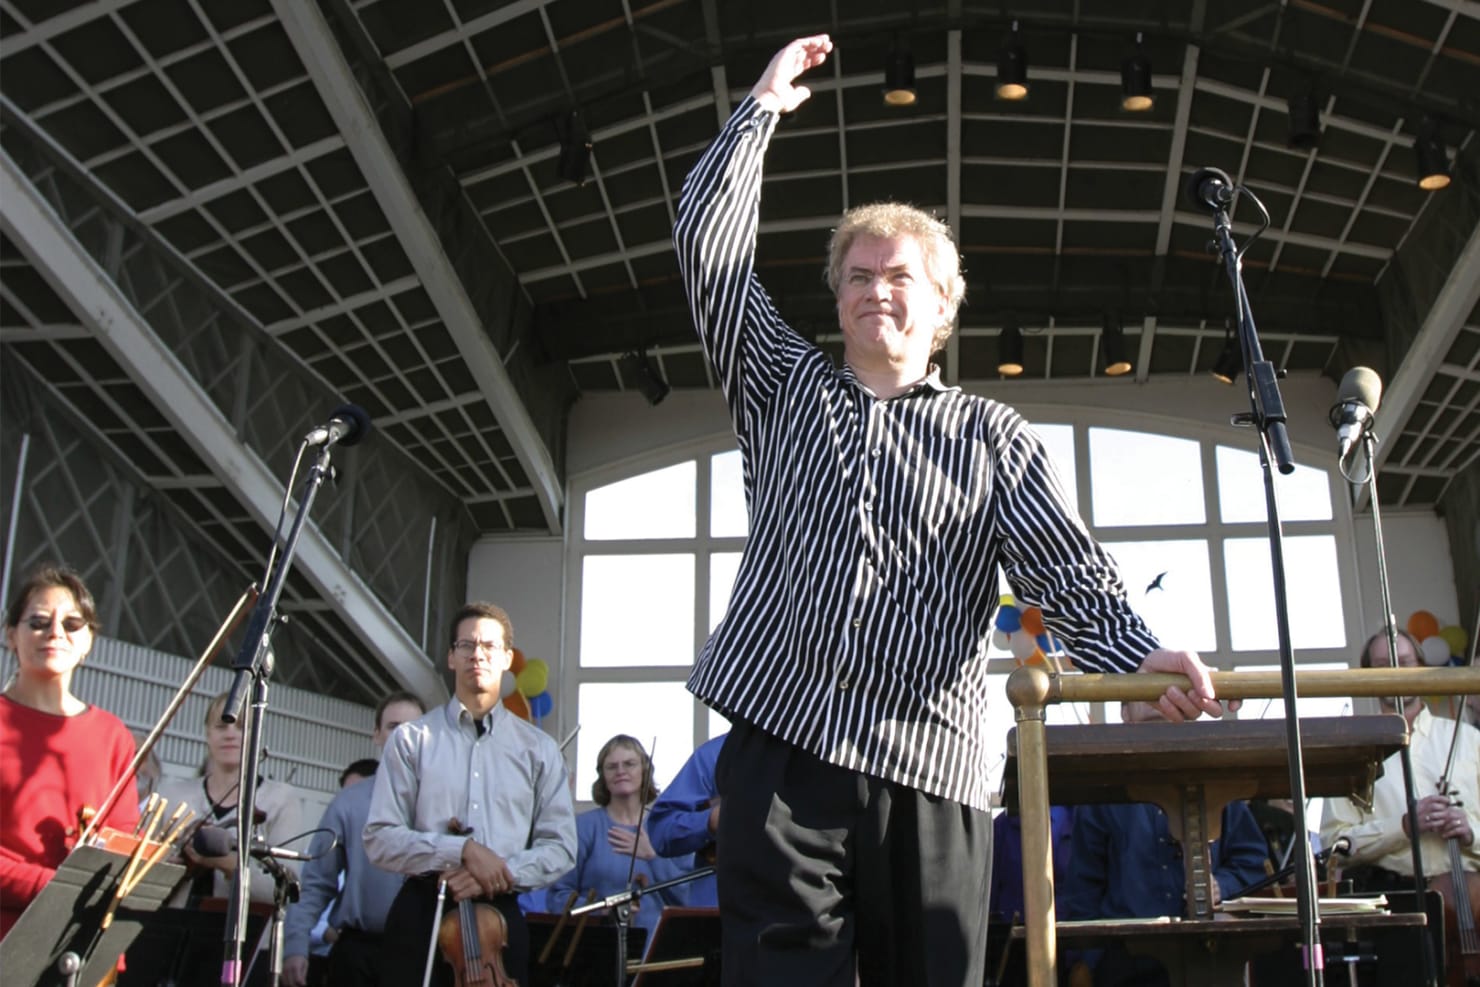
<point>472,939</point>
<point>1461,892</point>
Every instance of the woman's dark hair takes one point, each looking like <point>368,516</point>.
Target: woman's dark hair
<point>600,794</point>
<point>46,576</point>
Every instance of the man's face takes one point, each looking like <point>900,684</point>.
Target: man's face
<point>393,716</point>
<point>888,309</point>
<point>479,655</point>
<point>1407,658</point>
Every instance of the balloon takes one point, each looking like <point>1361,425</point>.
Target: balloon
<point>1006,600</point>
<point>1036,658</point>
<point>1456,637</point>
<point>1423,624</point>
<point>517,704</point>
<point>1023,646</point>
<point>516,660</point>
<point>1435,651</point>
<point>541,705</point>
<point>507,684</point>
<point>1008,619</point>
<point>1001,640</point>
<point>1033,621</point>
<point>1044,644</point>
<point>534,678</point>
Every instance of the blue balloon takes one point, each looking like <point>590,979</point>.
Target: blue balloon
<point>1009,620</point>
<point>541,705</point>
<point>1043,643</point>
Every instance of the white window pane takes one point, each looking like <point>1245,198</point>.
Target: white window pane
<point>659,504</point>
<point>727,517</point>
<point>722,569</point>
<point>717,723</point>
<point>1305,495</point>
<point>1059,440</point>
<point>661,712</point>
<point>1313,589</point>
<point>1140,478</point>
<point>1170,584</point>
<point>637,610</point>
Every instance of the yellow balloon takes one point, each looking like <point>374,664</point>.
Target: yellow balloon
<point>1455,636</point>
<point>534,677</point>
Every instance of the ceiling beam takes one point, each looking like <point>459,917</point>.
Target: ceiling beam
<point>30,222</point>
<point>351,112</point>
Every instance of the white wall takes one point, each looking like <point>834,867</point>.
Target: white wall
<point>1420,568</point>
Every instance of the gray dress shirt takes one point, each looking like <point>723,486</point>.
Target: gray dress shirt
<point>508,784</point>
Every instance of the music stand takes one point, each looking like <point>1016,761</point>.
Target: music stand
<point>68,913</point>
<point>184,945</point>
<point>683,934</point>
<point>590,964</point>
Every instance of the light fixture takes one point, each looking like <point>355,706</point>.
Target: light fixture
<point>1135,81</point>
<point>1112,347</point>
<point>899,76</point>
<point>640,372</point>
<point>1432,155</point>
<point>1229,363</point>
<point>1305,117</point>
<point>1010,351</point>
<point>1012,68</point>
<point>575,150</point>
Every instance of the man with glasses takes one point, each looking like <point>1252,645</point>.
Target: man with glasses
<point>472,795</point>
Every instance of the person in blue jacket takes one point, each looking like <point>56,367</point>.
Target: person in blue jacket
<point>685,818</point>
<point>608,838</point>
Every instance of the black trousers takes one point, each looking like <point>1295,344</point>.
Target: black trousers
<point>408,930</point>
<point>826,874</point>
<point>355,958</point>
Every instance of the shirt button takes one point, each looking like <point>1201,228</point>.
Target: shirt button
<point>843,682</point>
<point>877,451</point>
<point>475,774</point>
<point>868,505</point>
<point>857,621</point>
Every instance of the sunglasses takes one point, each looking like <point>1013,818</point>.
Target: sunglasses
<point>41,622</point>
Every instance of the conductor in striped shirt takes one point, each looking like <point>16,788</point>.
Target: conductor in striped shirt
<point>852,660</point>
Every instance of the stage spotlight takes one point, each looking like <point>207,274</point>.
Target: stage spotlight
<point>1432,155</point>
<point>899,76</point>
<point>1305,118</point>
<point>640,372</point>
<point>1010,351</point>
<point>1012,68</point>
<point>1135,81</point>
<point>1230,362</point>
<point>575,151</point>
<point>1112,347</point>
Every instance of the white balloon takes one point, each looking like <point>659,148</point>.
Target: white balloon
<point>1435,651</point>
<point>1000,640</point>
<point>1023,645</point>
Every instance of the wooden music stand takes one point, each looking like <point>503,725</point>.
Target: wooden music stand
<point>67,917</point>
<point>685,951</point>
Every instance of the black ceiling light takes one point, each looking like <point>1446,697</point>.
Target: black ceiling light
<point>1010,351</point>
<point>899,76</point>
<point>575,150</point>
<point>1012,68</point>
<point>1135,81</point>
<point>640,372</point>
<point>1230,362</point>
<point>1305,117</point>
<point>1432,155</point>
<point>1112,347</point>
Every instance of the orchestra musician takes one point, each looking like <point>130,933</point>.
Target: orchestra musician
<point>852,662</point>
<point>472,795</point>
<point>58,754</point>
<point>685,818</point>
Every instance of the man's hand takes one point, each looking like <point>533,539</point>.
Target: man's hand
<point>713,822</point>
<point>1437,816</point>
<point>1177,704</point>
<point>775,90</point>
<point>295,971</point>
<point>484,870</point>
<point>621,839</point>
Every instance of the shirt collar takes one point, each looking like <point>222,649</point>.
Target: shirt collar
<point>931,380</point>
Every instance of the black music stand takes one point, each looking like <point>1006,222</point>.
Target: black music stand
<point>683,934</point>
<point>591,965</point>
<point>67,917</point>
<point>183,946</point>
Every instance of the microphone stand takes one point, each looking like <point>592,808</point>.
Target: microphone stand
<point>1405,756</point>
<point>621,906</point>
<point>1267,416</point>
<point>253,665</point>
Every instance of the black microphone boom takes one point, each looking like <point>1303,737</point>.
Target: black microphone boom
<point>1356,401</point>
<point>347,425</point>
<point>1209,190</point>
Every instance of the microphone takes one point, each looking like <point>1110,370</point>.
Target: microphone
<point>1356,400</point>
<point>1209,190</point>
<point>213,841</point>
<point>346,426</point>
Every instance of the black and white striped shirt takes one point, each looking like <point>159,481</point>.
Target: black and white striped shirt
<point>859,620</point>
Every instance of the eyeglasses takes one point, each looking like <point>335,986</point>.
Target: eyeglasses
<point>465,647</point>
<point>41,622</point>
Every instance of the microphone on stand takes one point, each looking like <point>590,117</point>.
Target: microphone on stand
<point>347,425</point>
<point>213,841</point>
<point>1356,401</point>
<point>1209,190</point>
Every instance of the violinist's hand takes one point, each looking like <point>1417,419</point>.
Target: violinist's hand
<point>295,971</point>
<point>485,868</point>
<point>226,863</point>
<point>713,822</point>
<point>775,90</point>
<point>620,839</point>
<point>1448,822</point>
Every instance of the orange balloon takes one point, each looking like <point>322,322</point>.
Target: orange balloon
<point>517,704</point>
<point>1033,621</point>
<point>516,662</point>
<point>1423,624</point>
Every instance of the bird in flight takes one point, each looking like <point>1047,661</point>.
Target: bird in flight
<point>1156,583</point>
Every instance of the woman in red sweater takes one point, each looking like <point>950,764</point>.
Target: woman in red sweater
<point>57,753</point>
